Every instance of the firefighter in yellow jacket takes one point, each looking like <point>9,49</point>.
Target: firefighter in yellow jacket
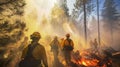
<point>68,47</point>
<point>34,54</point>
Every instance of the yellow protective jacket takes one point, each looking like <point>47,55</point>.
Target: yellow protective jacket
<point>69,43</point>
<point>38,53</point>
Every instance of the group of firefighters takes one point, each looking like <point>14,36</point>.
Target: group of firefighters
<point>34,55</point>
<point>66,46</point>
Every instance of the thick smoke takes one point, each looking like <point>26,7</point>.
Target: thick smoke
<point>13,25</point>
<point>110,17</point>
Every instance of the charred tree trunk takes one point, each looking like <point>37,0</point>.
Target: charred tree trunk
<point>85,22</point>
<point>98,22</point>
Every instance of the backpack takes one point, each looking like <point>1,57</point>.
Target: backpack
<point>68,47</point>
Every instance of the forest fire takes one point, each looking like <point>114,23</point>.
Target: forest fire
<point>83,20</point>
<point>88,62</point>
<point>88,59</point>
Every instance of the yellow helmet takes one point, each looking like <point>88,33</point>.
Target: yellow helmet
<point>67,35</point>
<point>35,35</point>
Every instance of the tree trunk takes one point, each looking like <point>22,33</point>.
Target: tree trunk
<point>85,26</point>
<point>98,22</point>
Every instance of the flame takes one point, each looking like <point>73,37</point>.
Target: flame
<point>87,62</point>
<point>85,59</point>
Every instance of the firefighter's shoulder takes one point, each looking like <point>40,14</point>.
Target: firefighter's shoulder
<point>41,47</point>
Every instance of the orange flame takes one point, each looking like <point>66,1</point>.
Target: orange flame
<point>87,61</point>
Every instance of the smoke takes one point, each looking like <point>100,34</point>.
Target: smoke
<point>19,19</point>
<point>50,22</point>
<point>111,40</point>
<point>55,22</point>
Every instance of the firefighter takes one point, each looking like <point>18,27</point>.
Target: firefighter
<point>34,54</point>
<point>95,43</point>
<point>55,49</point>
<point>68,47</point>
<point>95,46</point>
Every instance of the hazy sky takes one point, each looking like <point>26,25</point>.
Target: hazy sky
<point>42,6</point>
<point>70,4</point>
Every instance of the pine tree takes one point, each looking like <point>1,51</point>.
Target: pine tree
<point>85,7</point>
<point>12,28</point>
<point>12,24</point>
<point>110,16</point>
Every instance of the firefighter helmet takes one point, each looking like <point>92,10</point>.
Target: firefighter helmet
<point>35,35</point>
<point>68,35</point>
